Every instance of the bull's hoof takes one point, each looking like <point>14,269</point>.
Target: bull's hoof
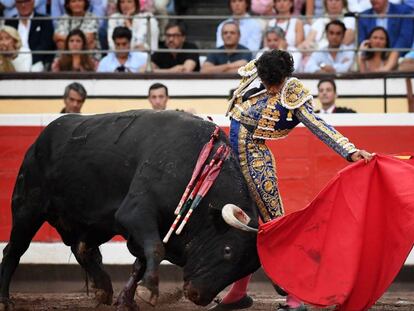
<point>103,297</point>
<point>123,303</point>
<point>146,295</point>
<point>6,304</point>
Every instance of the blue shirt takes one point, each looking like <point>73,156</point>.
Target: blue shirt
<point>134,62</point>
<point>226,58</point>
<point>342,62</point>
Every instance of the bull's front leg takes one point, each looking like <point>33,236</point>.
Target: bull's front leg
<point>148,287</point>
<point>144,242</point>
<point>125,299</point>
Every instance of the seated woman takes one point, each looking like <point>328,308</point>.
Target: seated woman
<point>129,15</point>
<point>334,9</point>
<point>14,61</point>
<point>75,42</point>
<point>77,16</point>
<point>292,26</point>
<point>375,61</point>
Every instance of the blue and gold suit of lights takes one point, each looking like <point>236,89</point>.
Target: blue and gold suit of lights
<point>258,117</point>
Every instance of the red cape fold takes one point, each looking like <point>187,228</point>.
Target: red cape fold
<point>346,247</point>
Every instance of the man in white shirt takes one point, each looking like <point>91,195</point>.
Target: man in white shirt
<point>122,60</point>
<point>339,60</point>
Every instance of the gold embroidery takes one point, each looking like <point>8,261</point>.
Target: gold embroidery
<point>259,169</point>
<point>334,135</point>
<point>250,181</point>
<point>240,108</point>
<point>294,94</point>
<point>274,134</point>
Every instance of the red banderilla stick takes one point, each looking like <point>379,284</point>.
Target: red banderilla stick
<point>199,183</point>
<point>209,181</point>
<point>202,157</point>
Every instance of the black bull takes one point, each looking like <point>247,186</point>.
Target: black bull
<point>93,177</point>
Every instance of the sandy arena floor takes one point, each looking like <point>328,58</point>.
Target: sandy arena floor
<point>63,296</point>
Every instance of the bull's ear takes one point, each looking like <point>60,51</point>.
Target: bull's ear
<point>214,215</point>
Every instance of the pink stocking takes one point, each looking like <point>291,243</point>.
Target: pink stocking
<point>292,301</point>
<point>238,290</point>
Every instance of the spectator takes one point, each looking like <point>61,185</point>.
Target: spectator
<point>175,38</point>
<point>36,35</point>
<point>75,42</point>
<point>292,26</point>
<point>74,98</point>
<point>335,9</point>
<point>327,97</point>
<point>147,6</point>
<point>374,61</point>
<point>230,60</point>
<point>98,8</point>
<point>11,62</point>
<point>128,15</point>
<point>11,10</point>
<point>77,16</point>
<point>122,60</point>
<point>332,61</point>
<point>400,30</point>
<point>274,39</point>
<point>262,7</point>
<point>250,29</point>
<point>158,96</point>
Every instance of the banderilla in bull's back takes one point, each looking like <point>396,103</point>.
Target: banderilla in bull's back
<point>202,158</point>
<point>200,183</point>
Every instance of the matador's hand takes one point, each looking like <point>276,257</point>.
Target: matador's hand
<point>362,154</point>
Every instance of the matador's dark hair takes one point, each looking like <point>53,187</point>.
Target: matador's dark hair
<point>274,66</point>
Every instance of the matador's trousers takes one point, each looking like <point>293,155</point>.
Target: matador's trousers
<point>259,169</point>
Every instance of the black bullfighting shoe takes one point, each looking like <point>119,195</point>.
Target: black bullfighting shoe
<point>243,303</point>
<point>302,307</point>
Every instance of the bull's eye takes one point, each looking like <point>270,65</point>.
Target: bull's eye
<point>227,252</point>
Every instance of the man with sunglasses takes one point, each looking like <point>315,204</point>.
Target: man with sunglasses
<point>174,61</point>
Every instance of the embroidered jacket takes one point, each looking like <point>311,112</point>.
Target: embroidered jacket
<point>273,117</point>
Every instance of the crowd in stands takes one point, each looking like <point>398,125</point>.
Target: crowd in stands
<point>323,36</point>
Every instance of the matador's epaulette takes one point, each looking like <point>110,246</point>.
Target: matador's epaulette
<point>248,73</point>
<point>294,94</point>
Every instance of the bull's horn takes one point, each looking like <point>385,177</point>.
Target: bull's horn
<point>236,217</point>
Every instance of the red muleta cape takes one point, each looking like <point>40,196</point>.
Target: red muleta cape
<point>346,247</point>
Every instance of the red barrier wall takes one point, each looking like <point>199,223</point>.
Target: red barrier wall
<point>304,163</point>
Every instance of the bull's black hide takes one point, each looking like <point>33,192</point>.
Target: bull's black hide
<point>92,177</point>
